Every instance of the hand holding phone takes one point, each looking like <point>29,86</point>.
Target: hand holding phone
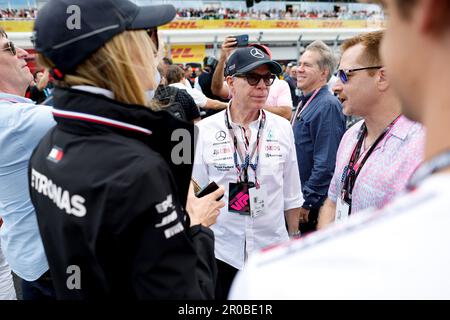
<point>201,207</point>
<point>208,189</point>
<point>241,40</point>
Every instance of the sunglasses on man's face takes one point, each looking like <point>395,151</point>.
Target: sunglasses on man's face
<point>343,74</point>
<point>10,47</point>
<point>253,78</point>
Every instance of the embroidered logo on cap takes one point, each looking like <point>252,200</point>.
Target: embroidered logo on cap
<point>257,53</point>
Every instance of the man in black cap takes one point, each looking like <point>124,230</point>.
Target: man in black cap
<point>109,192</point>
<point>204,82</point>
<point>251,151</point>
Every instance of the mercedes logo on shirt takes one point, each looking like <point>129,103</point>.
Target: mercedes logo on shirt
<point>221,135</point>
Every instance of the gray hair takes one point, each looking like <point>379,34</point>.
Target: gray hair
<point>327,59</point>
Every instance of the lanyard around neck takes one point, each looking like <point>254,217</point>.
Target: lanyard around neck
<point>352,170</point>
<point>301,108</point>
<point>243,168</point>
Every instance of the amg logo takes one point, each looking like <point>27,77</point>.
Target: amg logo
<point>71,204</point>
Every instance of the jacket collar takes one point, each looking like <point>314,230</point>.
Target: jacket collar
<point>85,113</point>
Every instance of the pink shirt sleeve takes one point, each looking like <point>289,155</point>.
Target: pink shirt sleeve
<point>279,95</point>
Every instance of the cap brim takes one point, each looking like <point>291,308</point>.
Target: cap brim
<point>274,66</point>
<point>153,16</point>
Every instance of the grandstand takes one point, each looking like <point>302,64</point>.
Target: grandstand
<point>286,26</point>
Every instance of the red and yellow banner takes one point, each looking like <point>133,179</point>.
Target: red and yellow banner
<point>188,53</point>
<point>17,26</point>
<point>27,26</point>
<point>272,24</point>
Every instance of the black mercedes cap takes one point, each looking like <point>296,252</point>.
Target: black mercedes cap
<point>69,31</point>
<point>243,60</point>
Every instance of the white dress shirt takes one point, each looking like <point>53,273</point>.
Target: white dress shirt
<point>237,235</point>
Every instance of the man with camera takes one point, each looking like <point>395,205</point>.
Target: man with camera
<point>279,100</point>
<point>252,153</point>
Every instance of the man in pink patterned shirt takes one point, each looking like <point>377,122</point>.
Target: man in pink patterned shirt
<point>378,155</point>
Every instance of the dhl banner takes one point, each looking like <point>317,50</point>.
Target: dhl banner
<point>27,26</point>
<point>272,24</point>
<point>187,53</point>
<point>17,26</point>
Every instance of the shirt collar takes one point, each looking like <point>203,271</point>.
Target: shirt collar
<point>402,127</point>
<point>234,124</point>
<point>400,130</point>
<point>96,90</point>
<point>309,95</point>
<point>14,98</point>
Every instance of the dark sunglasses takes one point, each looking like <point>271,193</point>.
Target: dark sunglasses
<point>343,74</point>
<point>254,78</point>
<point>153,34</point>
<point>10,47</point>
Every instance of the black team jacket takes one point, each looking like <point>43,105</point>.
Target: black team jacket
<point>110,203</point>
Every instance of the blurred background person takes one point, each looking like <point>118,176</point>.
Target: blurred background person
<point>176,78</point>
<point>204,82</point>
<point>291,79</point>
<point>189,75</point>
<point>176,101</point>
<point>42,89</point>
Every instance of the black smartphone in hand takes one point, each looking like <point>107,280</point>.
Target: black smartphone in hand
<point>208,189</point>
<point>242,40</point>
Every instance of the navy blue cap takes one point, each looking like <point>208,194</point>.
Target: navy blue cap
<point>243,60</point>
<point>69,31</point>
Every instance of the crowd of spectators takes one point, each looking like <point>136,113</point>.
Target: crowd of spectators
<point>225,14</point>
<point>12,14</point>
<point>273,14</point>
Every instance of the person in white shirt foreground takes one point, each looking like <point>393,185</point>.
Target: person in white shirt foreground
<point>401,251</point>
<point>252,153</point>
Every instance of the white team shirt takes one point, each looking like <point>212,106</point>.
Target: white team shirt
<point>237,236</point>
<point>399,252</point>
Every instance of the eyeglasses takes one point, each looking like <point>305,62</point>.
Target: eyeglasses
<point>343,74</point>
<point>10,47</point>
<point>253,78</point>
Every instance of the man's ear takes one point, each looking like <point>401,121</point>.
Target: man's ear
<point>324,74</point>
<point>433,16</point>
<point>230,82</point>
<point>382,80</point>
